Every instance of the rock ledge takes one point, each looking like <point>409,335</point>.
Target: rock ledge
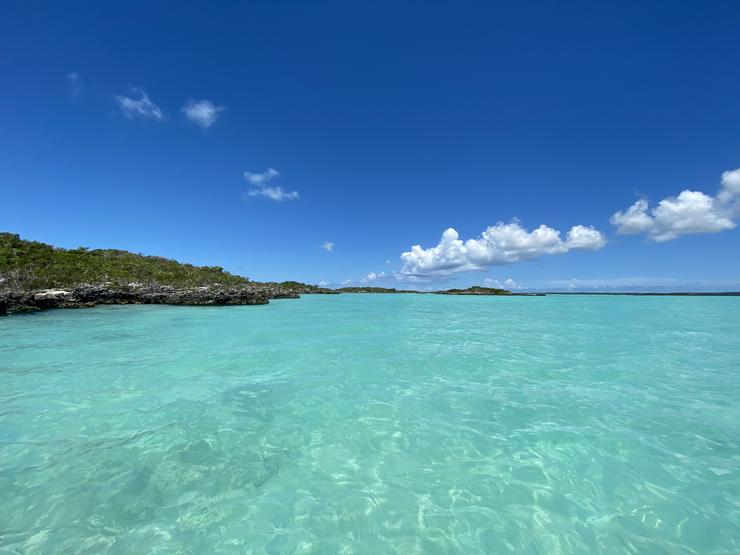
<point>14,301</point>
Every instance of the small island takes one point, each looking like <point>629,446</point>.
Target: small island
<point>478,290</point>
<point>376,290</point>
<point>475,290</point>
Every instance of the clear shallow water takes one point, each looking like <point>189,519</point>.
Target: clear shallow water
<point>374,424</point>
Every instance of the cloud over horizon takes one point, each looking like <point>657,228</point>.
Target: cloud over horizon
<point>498,245</point>
<point>508,283</point>
<point>138,107</point>
<point>372,276</point>
<point>203,113</point>
<point>691,212</point>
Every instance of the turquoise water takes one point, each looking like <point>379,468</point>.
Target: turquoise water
<point>374,424</point>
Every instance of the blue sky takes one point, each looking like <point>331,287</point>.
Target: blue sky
<point>132,126</point>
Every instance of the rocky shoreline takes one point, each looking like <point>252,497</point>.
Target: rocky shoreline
<point>14,301</point>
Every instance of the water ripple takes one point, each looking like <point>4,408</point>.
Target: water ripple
<point>384,424</point>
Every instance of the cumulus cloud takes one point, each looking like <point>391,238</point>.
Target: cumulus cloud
<point>202,112</point>
<point>730,189</point>
<point>498,245</point>
<point>138,105</point>
<point>511,284</point>
<point>688,213</point>
<point>581,237</point>
<point>372,276</point>
<point>260,180</point>
<point>633,220</point>
<point>75,84</point>
<point>328,246</point>
<point>408,278</point>
<point>508,283</point>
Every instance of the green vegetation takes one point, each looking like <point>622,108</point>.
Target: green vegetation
<point>34,265</point>
<point>475,290</point>
<point>374,290</point>
<point>298,286</point>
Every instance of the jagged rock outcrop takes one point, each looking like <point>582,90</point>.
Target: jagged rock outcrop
<point>83,296</point>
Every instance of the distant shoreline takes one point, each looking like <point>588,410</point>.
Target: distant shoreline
<point>464,293</point>
<point>37,276</point>
<point>650,294</point>
<point>87,296</point>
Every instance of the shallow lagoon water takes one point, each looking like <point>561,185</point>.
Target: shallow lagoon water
<point>374,424</point>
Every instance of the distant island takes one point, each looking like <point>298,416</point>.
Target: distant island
<point>376,290</point>
<point>478,290</point>
<point>474,290</point>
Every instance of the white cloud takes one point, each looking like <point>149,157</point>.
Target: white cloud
<point>139,107</point>
<point>260,180</point>
<point>323,283</point>
<point>729,192</point>
<point>624,283</point>
<point>346,281</point>
<point>372,276</point>
<point>274,193</point>
<point>328,246</point>
<point>688,213</point>
<point>408,278</point>
<point>634,219</point>
<point>640,284</point>
<point>75,84</point>
<point>581,237</point>
<point>508,283</point>
<point>497,245</point>
<point>202,112</point>
<point>511,284</point>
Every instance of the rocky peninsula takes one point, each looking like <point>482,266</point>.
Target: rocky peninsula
<point>36,276</point>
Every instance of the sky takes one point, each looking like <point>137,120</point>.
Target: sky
<point>533,145</point>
